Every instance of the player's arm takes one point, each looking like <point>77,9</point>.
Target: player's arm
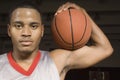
<point>87,55</point>
<point>90,55</point>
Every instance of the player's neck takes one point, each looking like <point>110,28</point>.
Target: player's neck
<point>22,56</point>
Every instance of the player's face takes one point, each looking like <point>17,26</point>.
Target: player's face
<point>25,29</point>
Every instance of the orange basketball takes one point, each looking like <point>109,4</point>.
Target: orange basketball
<point>71,29</point>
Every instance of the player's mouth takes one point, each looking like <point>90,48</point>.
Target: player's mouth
<point>26,42</point>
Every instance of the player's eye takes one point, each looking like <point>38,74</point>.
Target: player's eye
<point>34,26</point>
<point>18,26</point>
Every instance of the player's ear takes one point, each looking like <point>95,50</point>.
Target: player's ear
<point>42,30</point>
<point>8,30</point>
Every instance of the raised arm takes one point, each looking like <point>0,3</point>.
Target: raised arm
<point>87,55</point>
<point>90,55</point>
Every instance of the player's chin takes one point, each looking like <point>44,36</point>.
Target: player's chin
<point>27,50</point>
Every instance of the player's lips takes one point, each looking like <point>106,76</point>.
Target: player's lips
<point>26,42</point>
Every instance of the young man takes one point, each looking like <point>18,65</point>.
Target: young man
<point>27,62</point>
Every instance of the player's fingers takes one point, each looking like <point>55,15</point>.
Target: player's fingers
<point>63,7</point>
<point>67,6</point>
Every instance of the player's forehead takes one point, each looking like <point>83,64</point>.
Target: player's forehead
<point>25,14</point>
<point>23,11</point>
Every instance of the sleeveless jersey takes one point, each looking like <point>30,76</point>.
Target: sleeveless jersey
<point>43,68</point>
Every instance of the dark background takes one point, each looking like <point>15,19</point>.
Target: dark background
<point>106,13</point>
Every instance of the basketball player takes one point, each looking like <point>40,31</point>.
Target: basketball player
<point>27,62</point>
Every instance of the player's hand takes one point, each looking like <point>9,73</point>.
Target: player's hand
<point>67,6</point>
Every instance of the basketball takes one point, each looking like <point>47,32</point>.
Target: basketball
<point>71,29</point>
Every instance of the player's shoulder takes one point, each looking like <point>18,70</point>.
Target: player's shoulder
<point>60,52</point>
<point>60,55</point>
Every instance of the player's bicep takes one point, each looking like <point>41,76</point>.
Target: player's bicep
<point>86,56</point>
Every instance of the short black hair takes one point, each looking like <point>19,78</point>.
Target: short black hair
<point>24,4</point>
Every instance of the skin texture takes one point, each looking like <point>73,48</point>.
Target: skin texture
<point>25,24</point>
